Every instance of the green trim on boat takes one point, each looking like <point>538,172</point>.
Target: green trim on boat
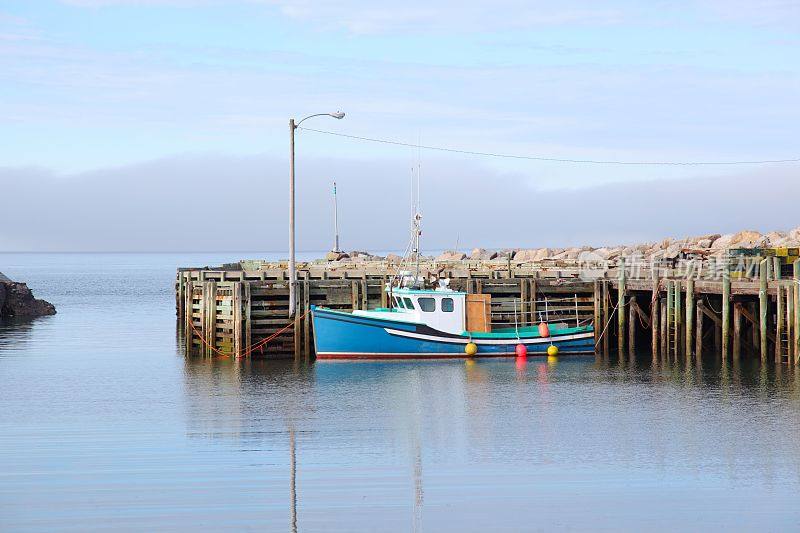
<point>526,332</point>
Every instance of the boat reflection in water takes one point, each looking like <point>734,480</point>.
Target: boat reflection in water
<point>413,444</point>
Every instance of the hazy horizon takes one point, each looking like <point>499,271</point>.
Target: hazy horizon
<point>160,126</point>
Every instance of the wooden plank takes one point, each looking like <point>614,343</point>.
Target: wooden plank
<point>354,295</point>
<point>364,299</point>
<point>710,314</point>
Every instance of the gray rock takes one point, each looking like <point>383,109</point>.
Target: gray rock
<point>451,255</point>
<point>482,254</point>
<point>335,256</point>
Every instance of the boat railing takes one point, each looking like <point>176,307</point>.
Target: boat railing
<point>548,310</point>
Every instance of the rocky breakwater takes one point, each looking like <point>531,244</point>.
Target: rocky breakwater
<point>17,301</point>
<point>712,245</point>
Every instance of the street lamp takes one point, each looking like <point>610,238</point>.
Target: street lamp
<point>292,271</point>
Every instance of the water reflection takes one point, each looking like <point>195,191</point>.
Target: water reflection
<point>373,428</point>
<point>14,334</point>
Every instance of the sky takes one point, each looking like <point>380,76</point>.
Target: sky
<point>162,125</point>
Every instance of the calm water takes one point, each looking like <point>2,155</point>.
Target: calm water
<point>105,424</point>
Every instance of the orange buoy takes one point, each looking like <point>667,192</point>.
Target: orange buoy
<point>521,350</point>
<point>544,329</point>
<point>471,349</point>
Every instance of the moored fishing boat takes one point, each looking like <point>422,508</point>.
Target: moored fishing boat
<point>436,323</point>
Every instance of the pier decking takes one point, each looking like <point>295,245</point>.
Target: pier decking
<point>688,308</point>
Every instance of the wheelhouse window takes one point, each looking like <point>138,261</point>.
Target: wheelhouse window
<point>427,304</point>
<point>398,302</point>
<point>447,305</point>
<point>409,303</point>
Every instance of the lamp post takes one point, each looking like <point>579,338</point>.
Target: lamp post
<point>292,270</point>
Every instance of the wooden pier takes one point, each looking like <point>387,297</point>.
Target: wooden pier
<point>710,308</point>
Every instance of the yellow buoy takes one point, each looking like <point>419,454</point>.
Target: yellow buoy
<point>471,349</point>
<point>552,350</point>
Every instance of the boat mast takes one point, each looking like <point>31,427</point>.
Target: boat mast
<point>416,218</point>
<point>415,203</point>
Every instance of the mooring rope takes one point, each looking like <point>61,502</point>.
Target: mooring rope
<point>253,347</point>
<point>610,317</point>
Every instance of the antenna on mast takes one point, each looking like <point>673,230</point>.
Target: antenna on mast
<point>335,221</point>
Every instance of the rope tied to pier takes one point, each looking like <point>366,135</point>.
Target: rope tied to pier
<point>610,318</point>
<point>253,347</point>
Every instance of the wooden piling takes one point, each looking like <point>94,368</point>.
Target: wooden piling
<point>297,328</point>
<point>779,324</point>
<point>188,316</point>
<point>789,291</point>
<point>181,296</point>
<point>354,295</point>
<point>698,338</point>
<point>247,337</point>
<point>678,340</point>
<point>606,318</point>
<point>236,317</point>
<point>737,331</point>
<point>670,319</point>
<point>306,321</point>
<point>654,318</point>
<point>632,326</point>
<point>796,285</point>
<point>598,320</point>
<point>621,308</point>
<point>763,304</point>
<point>726,310</point>
<point>689,317</point>
<point>664,311</point>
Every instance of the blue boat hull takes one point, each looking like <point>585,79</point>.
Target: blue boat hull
<point>339,335</point>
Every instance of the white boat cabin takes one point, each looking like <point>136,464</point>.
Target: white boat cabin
<point>442,309</point>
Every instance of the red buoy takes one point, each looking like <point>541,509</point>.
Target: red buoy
<point>544,329</point>
<point>521,350</point>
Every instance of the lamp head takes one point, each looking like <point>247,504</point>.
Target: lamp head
<point>339,115</point>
